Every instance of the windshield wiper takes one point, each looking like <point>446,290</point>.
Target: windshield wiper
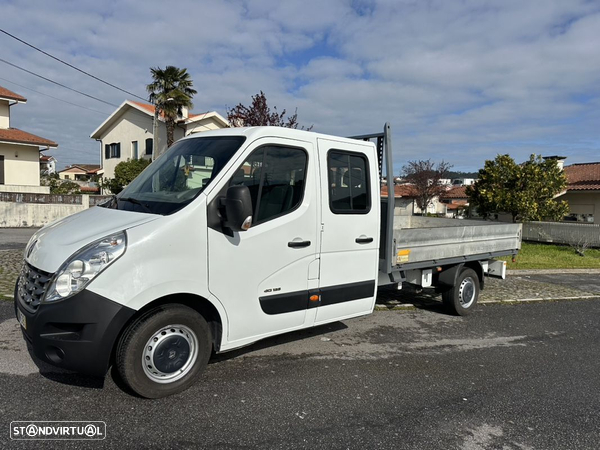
<point>135,202</point>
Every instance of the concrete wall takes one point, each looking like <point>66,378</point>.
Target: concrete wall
<point>25,189</point>
<point>16,214</point>
<point>4,114</point>
<point>21,164</point>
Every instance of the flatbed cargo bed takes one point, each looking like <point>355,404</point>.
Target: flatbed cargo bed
<point>427,241</point>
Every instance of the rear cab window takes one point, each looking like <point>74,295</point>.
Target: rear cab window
<point>348,182</point>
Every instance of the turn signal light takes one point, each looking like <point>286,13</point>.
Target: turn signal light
<point>314,298</point>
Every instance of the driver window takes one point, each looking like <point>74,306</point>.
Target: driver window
<point>275,177</point>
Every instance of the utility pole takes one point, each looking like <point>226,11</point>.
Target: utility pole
<point>155,132</point>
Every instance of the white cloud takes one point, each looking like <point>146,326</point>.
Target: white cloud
<point>460,81</point>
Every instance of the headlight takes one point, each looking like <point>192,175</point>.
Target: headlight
<point>81,268</point>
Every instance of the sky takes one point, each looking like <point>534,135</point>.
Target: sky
<point>458,80</point>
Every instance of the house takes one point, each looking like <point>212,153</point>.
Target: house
<point>583,192</point>
<point>128,132</point>
<point>19,151</point>
<point>80,172</point>
<point>404,199</point>
<point>47,164</point>
<point>456,201</point>
<point>85,175</point>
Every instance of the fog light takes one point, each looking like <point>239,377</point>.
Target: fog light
<point>55,354</point>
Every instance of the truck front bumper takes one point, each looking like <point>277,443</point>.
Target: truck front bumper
<point>77,334</point>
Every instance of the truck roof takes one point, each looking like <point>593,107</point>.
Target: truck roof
<point>272,131</point>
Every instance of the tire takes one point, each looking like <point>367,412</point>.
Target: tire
<point>164,351</point>
<point>462,298</point>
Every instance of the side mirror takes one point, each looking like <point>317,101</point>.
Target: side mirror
<point>238,208</point>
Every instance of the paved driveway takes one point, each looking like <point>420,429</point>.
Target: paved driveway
<point>508,377</point>
<point>582,281</point>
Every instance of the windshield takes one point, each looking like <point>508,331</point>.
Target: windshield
<point>177,176</point>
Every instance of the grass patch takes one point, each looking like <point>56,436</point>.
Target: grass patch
<point>548,256</point>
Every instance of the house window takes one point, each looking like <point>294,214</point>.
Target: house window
<point>112,150</point>
<point>1,169</point>
<point>67,177</point>
<point>149,145</point>
<point>349,191</point>
<point>134,149</point>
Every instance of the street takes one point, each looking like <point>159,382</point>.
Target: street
<point>509,376</point>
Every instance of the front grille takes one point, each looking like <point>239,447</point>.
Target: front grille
<point>32,286</point>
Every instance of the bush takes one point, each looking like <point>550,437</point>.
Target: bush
<point>125,173</point>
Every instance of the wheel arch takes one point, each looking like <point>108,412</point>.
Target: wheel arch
<point>200,304</point>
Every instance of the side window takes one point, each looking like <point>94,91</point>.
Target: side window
<point>348,178</point>
<point>275,177</point>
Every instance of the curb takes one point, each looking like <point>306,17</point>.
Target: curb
<point>549,271</point>
<point>410,306</point>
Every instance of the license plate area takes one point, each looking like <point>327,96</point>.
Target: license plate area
<point>22,319</point>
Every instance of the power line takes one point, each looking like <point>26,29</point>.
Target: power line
<point>57,83</point>
<point>55,98</point>
<point>71,65</point>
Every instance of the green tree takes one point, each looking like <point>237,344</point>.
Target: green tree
<point>125,173</point>
<point>259,114</point>
<point>526,191</point>
<point>171,90</point>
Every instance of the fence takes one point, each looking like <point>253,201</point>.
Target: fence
<point>562,233</point>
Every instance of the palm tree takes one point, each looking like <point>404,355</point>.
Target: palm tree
<point>170,91</point>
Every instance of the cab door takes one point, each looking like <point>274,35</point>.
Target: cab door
<point>262,275</point>
<point>350,229</point>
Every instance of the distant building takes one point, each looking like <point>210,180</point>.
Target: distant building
<point>80,172</point>
<point>128,132</point>
<point>583,192</point>
<point>47,164</point>
<point>19,151</point>
<point>463,181</point>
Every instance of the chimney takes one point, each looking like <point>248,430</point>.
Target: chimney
<point>184,112</point>
<point>560,160</point>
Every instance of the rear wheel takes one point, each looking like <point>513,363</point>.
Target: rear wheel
<point>164,351</point>
<point>462,297</point>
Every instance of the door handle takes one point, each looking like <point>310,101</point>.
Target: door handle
<point>298,244</point>
<point>363,240</point>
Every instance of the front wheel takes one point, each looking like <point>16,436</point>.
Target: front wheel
<point>462,297</point>
<point>164,351</point>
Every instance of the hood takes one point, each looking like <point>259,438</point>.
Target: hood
<point>50,247</point>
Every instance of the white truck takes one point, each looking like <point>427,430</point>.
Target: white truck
<point>229,237</point>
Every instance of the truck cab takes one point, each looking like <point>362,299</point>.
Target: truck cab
<point>229,237</point>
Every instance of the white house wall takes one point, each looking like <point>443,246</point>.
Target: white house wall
<point>4,114</point>
<point>583,202</point>
<point>21,164</point>
<point>133,125</point>
<point>203,125</point>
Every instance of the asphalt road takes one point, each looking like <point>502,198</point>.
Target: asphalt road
<point>523,376</point>
<point>15,238</point>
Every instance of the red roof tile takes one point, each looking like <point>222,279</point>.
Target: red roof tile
<point>583,177</point>
<point>455,192</point>
<point>87,168</point>
<point>402,190</point>
<point>5,93</point>
<point>22,137</point>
